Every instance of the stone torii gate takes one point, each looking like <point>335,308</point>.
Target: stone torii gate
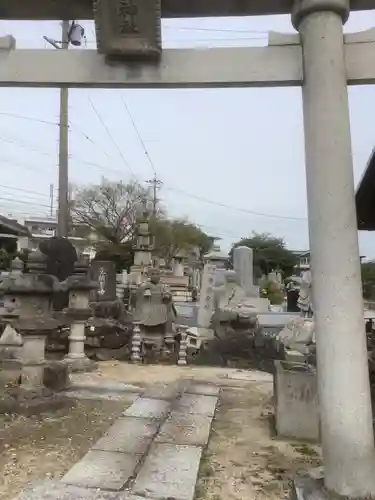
<point>320,60</point>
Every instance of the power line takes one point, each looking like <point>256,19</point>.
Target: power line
<point>28,118</point>
<point>201,40</point>
<point>12,200</point>
<point>52,155</point>
<point>218,30</point>
<point>12,188</point>
<point>88,138</point>
<point>111,137</point>
<point>72,128</point>
<point>139,135</point>
<point>237,209</point>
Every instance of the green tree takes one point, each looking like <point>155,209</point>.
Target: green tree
<point>270,253</point>
<point>368,280</point>
<point>176,235</point>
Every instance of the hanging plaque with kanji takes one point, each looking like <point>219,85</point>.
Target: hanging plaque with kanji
<point>128,28</point>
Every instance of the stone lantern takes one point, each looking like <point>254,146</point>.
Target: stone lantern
<point>29,298</point>
<point>80,286</point>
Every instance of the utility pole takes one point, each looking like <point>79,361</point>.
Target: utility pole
<point>156,184</point>
<point>63,208</point>
<point>51,198</point>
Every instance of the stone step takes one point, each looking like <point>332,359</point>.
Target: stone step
<point>169,471</point>
<point>53,490</point>
<point>152,451</point>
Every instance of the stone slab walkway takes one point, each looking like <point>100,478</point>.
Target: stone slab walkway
<point>152,451</point>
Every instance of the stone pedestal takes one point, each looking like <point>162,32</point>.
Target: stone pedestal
<point>31,295</point>
<point>32,358</point>
<point>79,312</point>
<point>296,401</point>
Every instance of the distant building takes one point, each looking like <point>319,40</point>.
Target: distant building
<point>10,232</point>
<point>303,263</point>
<point>39,229</point>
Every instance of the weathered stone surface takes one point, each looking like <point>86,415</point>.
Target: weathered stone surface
<point>86,381</point>
<point>296,401</point>
<point>56,376</point>
<point>186,429</point>
<point>127,397</point>
<point>53,490</point>
<point>203,389</point>
<point>170,471</point>
<point>148,408</point>
<point>128,435</point>
<point>308,488</point>
<point>102,469</point>
<point>128,29</point>
<point>169,391</point>
<point>104,272</point>
<point>197,404</point>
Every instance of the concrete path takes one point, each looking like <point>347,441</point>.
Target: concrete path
<point>152,451</point>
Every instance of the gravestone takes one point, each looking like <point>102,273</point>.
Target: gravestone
<point>243,263</point>
<point>104,273</point>
<point>61,257</point>
<point>206,301</point>
<point>128,28</point>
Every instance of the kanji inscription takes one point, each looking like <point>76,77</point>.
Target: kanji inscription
<point>128,13</point>
<point>128,28</point>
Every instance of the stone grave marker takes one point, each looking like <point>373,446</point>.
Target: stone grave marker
<point>243,263</point>
<point>104,273</point>
<point>206,301</point>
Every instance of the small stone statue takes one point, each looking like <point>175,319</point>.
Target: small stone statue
<point>154,311</point>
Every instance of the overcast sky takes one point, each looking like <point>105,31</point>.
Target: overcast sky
<point>238,147</point>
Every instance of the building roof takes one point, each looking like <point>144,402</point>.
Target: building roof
<point>365,197</point>
<point>13,227</point>
<point>216,254</point>
<point>83,9</point>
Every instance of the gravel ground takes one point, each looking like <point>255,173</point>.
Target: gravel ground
<point>243,459</point>
<point>33,449</point>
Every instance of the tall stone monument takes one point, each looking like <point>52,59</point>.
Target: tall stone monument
<point>206,301</point>
<point>128,28</point>
<point>243,263</point>
<point>143,246</point>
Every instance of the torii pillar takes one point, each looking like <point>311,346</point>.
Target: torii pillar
<point>343,379</point>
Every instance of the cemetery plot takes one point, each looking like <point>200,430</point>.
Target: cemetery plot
<point>46,447</point>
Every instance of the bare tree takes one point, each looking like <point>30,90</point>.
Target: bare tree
<point>109,209</point>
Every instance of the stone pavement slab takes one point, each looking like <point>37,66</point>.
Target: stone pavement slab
<point>148,408</point>
<point>102,469</point>
<point>196,404</point>
<point>169,471</point>
<point>53,490</point>
<point>204,389</point>
<point>94,382</point>
<point>166,392</point>
<point>128,435</point>
<point>180,428</point>
<point>126,397</point>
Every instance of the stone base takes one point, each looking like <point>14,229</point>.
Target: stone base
<point>80,364</point>
<point>56,375</point>
<point>29,403</point>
